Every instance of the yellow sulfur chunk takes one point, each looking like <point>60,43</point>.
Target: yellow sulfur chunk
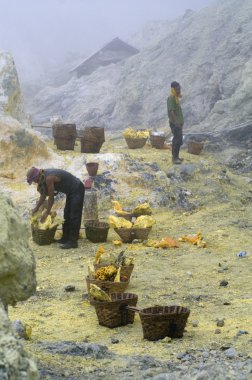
<point>98,254</point>
<point>118,208</point>
<point>117,243</point>
<point>98,294</point>
<point>144,221</point>
<point>118,275</point>
<point>116,222</point>
<point>142,209</point>
<point>107,273</point>
<point>133,134</point>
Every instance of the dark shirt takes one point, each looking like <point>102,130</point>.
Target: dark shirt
<point>68,183</point>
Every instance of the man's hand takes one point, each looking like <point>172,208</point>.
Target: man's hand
<point>44,216</point>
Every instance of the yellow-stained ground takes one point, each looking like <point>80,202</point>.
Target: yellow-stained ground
<point>188,276</point>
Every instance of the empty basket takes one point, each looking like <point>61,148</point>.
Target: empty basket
<point>157,141</point>
<point>113,314</point>
<point>161,321</point>
<point>97,232</point>
<point>195,147</point>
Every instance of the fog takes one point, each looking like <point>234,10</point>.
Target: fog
<point>44,34</point>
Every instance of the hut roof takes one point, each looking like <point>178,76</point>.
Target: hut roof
<point>111,52</point>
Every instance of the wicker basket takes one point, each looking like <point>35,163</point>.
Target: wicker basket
<point>108,286</point>
<point>97,232</point>
<point>126,270</point>
<point>129,234</point>
<point>113,314</point>
<point>43,237</point>
<point>157,141</point>
<point>161,321</point>
<point>135,143</point>
<point>142,233</point>
<point>195,147</point>
<point>63,143</point>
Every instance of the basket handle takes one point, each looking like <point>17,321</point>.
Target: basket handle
<point>132,308</point>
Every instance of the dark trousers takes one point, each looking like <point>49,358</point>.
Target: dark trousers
<point>177,140</point>
<point>73,214</point>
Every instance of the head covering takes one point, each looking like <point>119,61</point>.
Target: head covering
<point>175,84</point>
<point>32,175</point>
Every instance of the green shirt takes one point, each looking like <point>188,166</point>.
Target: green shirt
<point>172,105</point>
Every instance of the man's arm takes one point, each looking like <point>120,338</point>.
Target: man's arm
<point>39,203</point>
<point>50,190</point>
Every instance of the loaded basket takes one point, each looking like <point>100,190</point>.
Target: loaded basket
<point>161,321</point>
<point>129,234</point>
<point>113,314</point>
<point>108,286</point>
<point>43,237</point>
<point>135,143</point>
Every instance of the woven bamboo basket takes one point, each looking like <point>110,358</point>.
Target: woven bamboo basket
<point>113,314</point>
<point>129,234</point>
<point>135,143</point>
<point>108,286</point>
<point>161,321</point>
<point>43,237</point>
<point>64,130</point>
<point>195,147</point>
<point>157,141</point>
<point>64,143</point>
<point>126,270</point>
<point>142,233</point>
<point>97,232</point>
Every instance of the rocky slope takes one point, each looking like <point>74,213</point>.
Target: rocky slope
<point>11,100</point>
<point>209,52</point>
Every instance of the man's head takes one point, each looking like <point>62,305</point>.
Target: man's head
<point>176,87</point>
<point>32,175</point>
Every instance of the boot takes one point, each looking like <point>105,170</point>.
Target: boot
<point>176,161</point>
<point>62,240</point>
<point>69,245</point>
<point>65,235</point>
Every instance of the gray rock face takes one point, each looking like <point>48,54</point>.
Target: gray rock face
<point>16,364</point>
<point>17,264</point>
<point>11,100</point>
<point>208,52</point>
